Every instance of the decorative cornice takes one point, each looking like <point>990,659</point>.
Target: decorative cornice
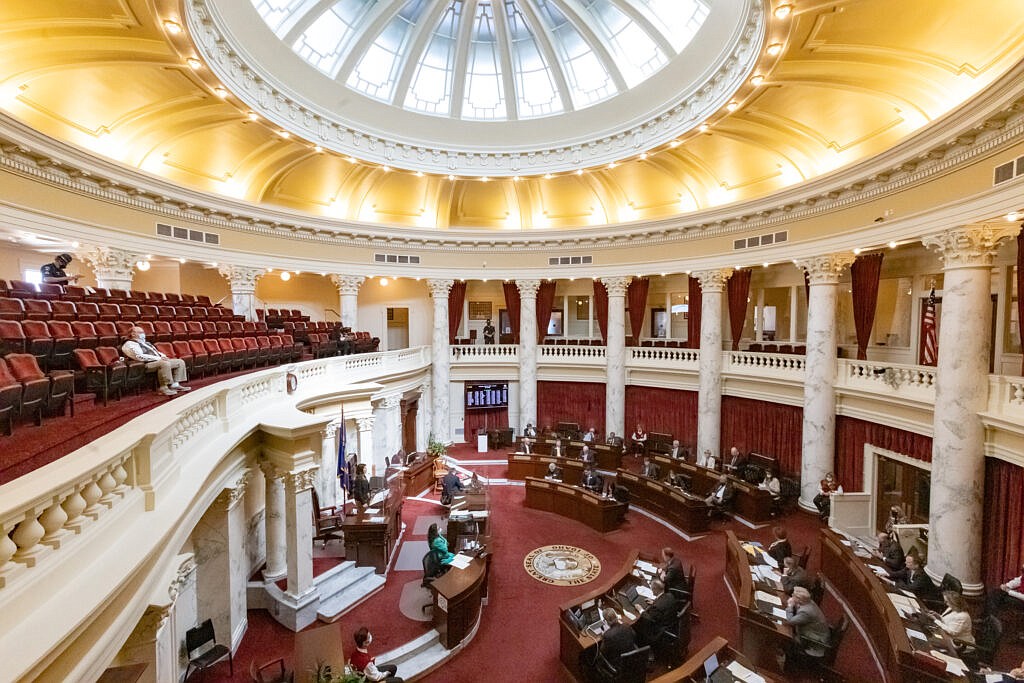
<point>827,269</point>
<point>969,246</point>
<point>232,494</point>
<point>528,288</point>
<point>439,290</point>
<point>714,280</point>
<point>348,284</point>
<point>109,263</point>
<point>616,286</point>
<point>241,278</point>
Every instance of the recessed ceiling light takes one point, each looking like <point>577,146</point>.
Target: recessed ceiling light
<point>612,165</point>
<point>485,179</point>
<point>285,134</point>
<point>674,143</point>
<point>386,169</point>
<point>182,260</point>
<point>774,49</point>
<point>548,176</point>
<point>856,250</point>
<point>350,160</point>
<point>270,270</point>
<point>142,265</point>
<point>220,92</point>
<point>318,149</point>
<point>285,276</point>
<point>892,245</point>
<point>173,27</point>
<point>194,63</point>
<point>732,106</point>
<point>253,116</point>
<point>516,179</point>
<point>579,171</point>
<point>756,79</point>
<point>451,177</point>
<point>418,174</point>
<point>783,11</point>
<point>703,128</point>
<point>643,155</point>
<point>75,245</point>
<point>1014,216</point>
<point>765,265</point>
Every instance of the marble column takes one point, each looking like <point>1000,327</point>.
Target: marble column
<point>527,352</point>
<point>387,431</point>
<point>615,351</point>
<point>819,421</point>
<point>365,425</point>
<point>242,281</point>
<point>348,298</point>
<point>794,307</point>
<point>113,268</point>
<point>277,562</point>
<point>298,511</point>
<point>709,398</point>
<point>328,488</point>
<point>440,426</point>
<point>961,393</point>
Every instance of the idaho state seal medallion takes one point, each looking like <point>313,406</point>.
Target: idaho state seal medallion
<point>562,565</point>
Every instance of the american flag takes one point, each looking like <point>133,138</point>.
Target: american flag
<point>929,338</point>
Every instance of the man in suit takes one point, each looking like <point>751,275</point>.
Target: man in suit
<point>592,480</point>
<point>450,484</point>
<point>671,571</point>
<point>735,464</point>
<point>659,616</point>
<point>889,552</point>
<point>808,622</point>
<point>618,639</point>
<point>676,451</point>
<point>587,455</point>
<point>558,450</point>
<point>913,578</point>
<point>650,469</point>
<point>590,436</point>
<point>721,495</point>
<point>525,445</point>
<point>530,431</point>
<point>794,575</point>
<point>554,472</point>
<point>613,440</point>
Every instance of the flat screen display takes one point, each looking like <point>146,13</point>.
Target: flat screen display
<point>486,395</point>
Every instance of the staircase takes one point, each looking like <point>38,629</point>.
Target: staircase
<point>343,587</point>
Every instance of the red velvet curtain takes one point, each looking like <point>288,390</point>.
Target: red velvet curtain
<point>668,411</point>
<point>636,299</point>
<point>545,302</point>
<point>768,428</point>
<point>852,434</point>
<point>1020,290</point>
<point>865,271</point>
<point>484,418</point>
<point>739,292</point>
<point>456,298</point>
<point>601,308</point>
<point>580,402</point>
<point>1002,522</point>
<point>694,303</point>
<point>512,305</point>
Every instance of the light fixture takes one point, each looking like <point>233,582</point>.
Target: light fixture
<point>1015,216</point>
<point>733,106</point>
<point>892,245</point>
<point>350,160</point>
<point>579,171</point>
<point>451,177</point>
<point>516,179</point>
<point>485,179</point>
<point>213,264</point>
<point>548,176</point>
<point>386,168</point>
<point>756,80</point>
<point>142,265</point>
<point>270,270</point>
<point>194,63</point>
<point>253,116</point>
<point>703,128</point>
<point>765,265</point>
<point>285,276</point>
<point>173,27</point>
<point>182,260</point>
<point>783,11</point>
<point>643,156</point>
<point>856,250</point>
<point>318,149</point>
<point>220,92</point>
<point>75,245</point>
<point>612,165</point>
<point>773,49</point>
<point>674,143</point>
<point>384,282</point>
<point>284,134</point>
<point>418,174</point>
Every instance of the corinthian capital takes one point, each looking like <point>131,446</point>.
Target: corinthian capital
<point>365,424</point>
<point>827,269</point>
<point>296,482</point>
<point>110,262</point>
<point>241,278</point>
<point>528,288</point>
<point>348,284</point>
<point>969,246</point>
<point>712,280</point>
<point>439,288</point>
<point>616,286</point>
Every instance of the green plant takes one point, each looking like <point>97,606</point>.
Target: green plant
<point>435,448</point>
<point>324,674</point>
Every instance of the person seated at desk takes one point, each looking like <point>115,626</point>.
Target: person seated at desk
<point>554,472</point>
<point>671,570</point>
<point>823,501</point>
<point>361,486</point>
<point>793,575</point>
<point>1014,675</point>
<point>613,440</point>
<point>362,662</point>
<point>591,479</point>
<point>889,552</point>
<point>771,484</point>
<point>524,445</point>
<point>439,543</point>
<point>558,450</point>
<point>639,440</point>
<point>587,455</point>
<point>956,620</point>
<point>913,578</point>
<point>736,463</point>
<point>450,485</point>
<point>530,432</point>
<point>659,616</point>
<point>809,625</point>
<point>676,452</point>
<point>707,459</point>
<point>617,640</point>
<point>721,495</point>
<point>780,548</point>
<point>649,468</point>
<point>475,485</point>
<point>590,436</point>
<point>1010,593</point>
<point>679,480</point>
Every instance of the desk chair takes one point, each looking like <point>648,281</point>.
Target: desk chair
<point>824,666</point>
<point>671,645</point>
<point>631,667</point>
<point>432,569</point>
<point>271,672</point>
<point>804,556</point>
<point>987,637</point>
<point>196,638</point>
<point>327,521</point>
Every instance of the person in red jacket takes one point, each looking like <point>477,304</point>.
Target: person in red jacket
<point>362,661</point>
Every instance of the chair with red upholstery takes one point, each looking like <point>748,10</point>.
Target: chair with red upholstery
<point>155,297</point>
<point>261,314</point>
<point>199,313</point>
<point>12,337</point>
<point>37,309</point>
<point>87,311</point>
<point>249,329</point>
<point>106,333</point>
<point>315,344</point>
<point>274,318</point>
<point>237,328</point>
<point>183,313</point>
<point>147,312</point>
<point>172,298</point>
<point>85,334</point>
<point>293,349</point>
<point>209,329</point>
<point>117,296</point>
<point>214,313</point>
<point>195,367</point>
<point>134,296</point>
<point>74,293</point>
<point>56,394</point>
<point>49,291</point>
<point>38,341</point>
<point>162,331</point>
<point>262,352</point>
<point>188,299</point>
<point>20,289</point>
<point>261,328</point>
<point>109,312</point>
<point>11,309</point>
<point>136,376</point>
<point>195,329</point>
<point>179,330</point>
<point>203,300</point>
<point>166,348</point>
<point>64,342</point>
<point>5,288</point>
<point>98,295</point>
<point>98,377</point>
<point>223,329</point>
<point>231,315</point>
<point>124,330</point>
<point>249,356</point>
<point>200,357</point>
<point>278,353</point>
<point>146,327</point>
<point>271,353</point>
<point>218,361</point>
<point>166,313</point>
<point>235,357</point>
<point>297,315</point>
<point>10,398</point>
<point>63,310</point>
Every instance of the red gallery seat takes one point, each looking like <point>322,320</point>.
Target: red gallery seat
<point>183,351</point>
<point>109,312</point>
<point>198,353</point>
<point>64,342</point>
<point>54,392</point>
<point>124,330</point>
<point>155,297</point>
<point>98,295</point>
<point>199,313</point>
<point>249,355</point>
<point>63,310</point>
<point>147,312</point>
<point>249,329</point>
<point>179,330</point>
<point>162,331</point>
<point>188,299</point>
<point>262,352</point>
<point>166,313</point>
<point>118,296</point>
<point>237,328</point>
<point>135,297</point>
<point>85,333</point>
<point>5,288</point>
<point>38,341</point>
<point>292,348</point>
<point>12,309</point>
<point>223,329</point>
<point>37,309</point>
<point>235,357</point>
<point>10,398</point>
<point>172,298</point>
<point>12,337</point>
<point>195,329</point>
<point>50,292</point>
<point>209,329</point>
<point>98,377</point>
<point>21,289</point>
<point>203,300</point>
<point>183,313</point>
<point>272,353</point>
<point>106,333</point>
<point>135,377</point>
<point>74,293</point>
<point>217,357</point>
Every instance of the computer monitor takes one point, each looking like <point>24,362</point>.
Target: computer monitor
<point>711,664</point>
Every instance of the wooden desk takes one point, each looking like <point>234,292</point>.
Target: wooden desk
<point>760,636</point>
<point>886,630</point>
<point>688,512</point>
<point>457,595</point>
<point>692,670</point>
<point>370,538</point>
<point>599,513</point>
<point>750,502</point>
<point>419,476</point>
<point>521,466</point>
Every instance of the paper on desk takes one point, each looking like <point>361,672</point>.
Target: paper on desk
<point>767,597</point>
<point>377,520</point>
<point>646,567</point>
<point>743,673</point>
<point>372,511</point>
<point>645,592</point>
<point>770,561</point>
<point>954,665</point>
<point>479,514</point>
<point>916,634</point>
<point>461,561</point>
<point>993,678</point>
<point>879,570</point>
<point>779,613</point>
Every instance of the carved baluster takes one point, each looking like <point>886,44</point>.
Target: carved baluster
<point>26,536</point>
<point>92,493</point>
<point>73,505</point>
<point>53,520</point>
<point>107,485</point>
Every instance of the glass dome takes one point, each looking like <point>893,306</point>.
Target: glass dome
<point>482,60</point>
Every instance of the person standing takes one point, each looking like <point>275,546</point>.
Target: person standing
<point>54,274</point>
<point>170,372</point>
<point>488,332</point>
<point>450,485</point>
<point>361,486</point>
<point>362,662</point>
<point>780,548</point>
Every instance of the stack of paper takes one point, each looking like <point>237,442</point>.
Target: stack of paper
<point>742,673</point>
<point>904,605</point>
<point>645,592</point>
<point>770,561</point>
<point>954,665</point>
<point>767,597</point>
<point>646,567</point>
<point>461,561</point>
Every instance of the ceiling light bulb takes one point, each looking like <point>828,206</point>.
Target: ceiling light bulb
<point>765,265</point>
<point>579,171</point>
<point>253,116</point>
<point>75,245</point>
<point>516,179</point>
<point>213,264</point>
<point>892,245</point>
<point>318,149</point>
<point>182,259</point>
<point>1014,216</point>
<point>612,165</point>
<point>674,143</point>
<point>142,265</point>
<point>783,11</point>
<point>350,160</point>
<point>285,134</point>
<point>386,169</point>
<point>485,179</point>
<point>774,49</point>
<point>703,128</point>
<point>732,106</point>
<point>548,176</point>
<point>856,250</point>
<point>285,276</point>
<point>451,177</point>
<point>194,63</point>
<point>643,155</point>
<point>384,282</point>
<point>173,27</point>
<point>756,80</point>
<point>270,270</point>
<point>220,92</point>
<point>419,174</point>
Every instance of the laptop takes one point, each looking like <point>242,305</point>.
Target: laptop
<point>627,598</point>
<point>715,672</point>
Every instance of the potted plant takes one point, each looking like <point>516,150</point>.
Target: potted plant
<point>325,674</point>
<point>436,449</point>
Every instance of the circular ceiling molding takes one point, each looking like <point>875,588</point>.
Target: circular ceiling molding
<point>453,87</point>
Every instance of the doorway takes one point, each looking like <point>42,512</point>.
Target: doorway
<point>902,483</point>
<point>398,329</point>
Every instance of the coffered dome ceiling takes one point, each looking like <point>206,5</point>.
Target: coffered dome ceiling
<point>521,115</point>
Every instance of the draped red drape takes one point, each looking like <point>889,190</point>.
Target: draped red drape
<point>636,299</point>
<point>1020,291</point>
<point>456,298</point>
<point>865,271</point>
<point>668,411</point>
<point>601,308</point>
<point>739,292</point>
<point>1002,527</point>
<point>852,434</point>
<point>694,302</point>
<point>545,302</point>
<point>484,418</point>
<point>512,305</point>
<point>768,428</point>
<point>580,402</point>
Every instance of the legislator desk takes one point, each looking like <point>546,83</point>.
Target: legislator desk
<point>371,532</point>
<point>749,502</point>
<point>419,476</point>
<point>522,465</point>
<point>599,513</point>
<point>457,596</point>
<point>692,670</point>
<point>902,659</point>
<point>686,511</point>
<point>606,457</point>
<point>761,634</point>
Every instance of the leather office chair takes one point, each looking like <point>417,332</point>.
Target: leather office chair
<point>631,667</point>
<point>432,569</point>
<point>817,589</point>
<point>987,637</point>
<point>196,638</point>
<point>804,556</point>
<point>327,521</point>
<point>671,645</point>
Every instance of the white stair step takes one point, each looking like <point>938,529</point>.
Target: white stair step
<point>359,586</point>
<point>424,661</point>
<point>408,650</point>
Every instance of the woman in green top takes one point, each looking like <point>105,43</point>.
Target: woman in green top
<point>440,544</point>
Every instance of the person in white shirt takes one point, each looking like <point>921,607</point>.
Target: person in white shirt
<point>170,372</point>
<point>1009,593</point>
<point>365,664</point>
<point>771,484</point>
<point>590,436</point>
<point>956,620</point>
<point>558,450</point>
